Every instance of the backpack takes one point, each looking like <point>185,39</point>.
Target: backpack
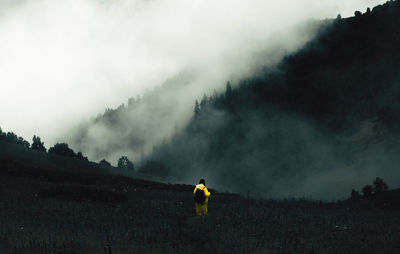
<point>199,196</point>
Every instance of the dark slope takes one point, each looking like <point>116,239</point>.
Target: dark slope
<point>350,72</point>
<point>325,121</point>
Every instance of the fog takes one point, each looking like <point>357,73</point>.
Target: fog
<point>66,61</point>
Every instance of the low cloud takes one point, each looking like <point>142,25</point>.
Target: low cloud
<point>63,62</point>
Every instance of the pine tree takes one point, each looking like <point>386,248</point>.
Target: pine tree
<point>228,91</point>
<point>380,185</point>
<point>367,190</point>
<point>125,163</point>
<point>62,149</point>
<point>355,194</point>
<point>37,144</point>
<point>196,109</point>
<point>103,162</point>
<point>203,103</point>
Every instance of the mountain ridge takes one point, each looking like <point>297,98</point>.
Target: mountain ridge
<point>297,126</point>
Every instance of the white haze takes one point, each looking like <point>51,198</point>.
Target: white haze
<point>62,62</point>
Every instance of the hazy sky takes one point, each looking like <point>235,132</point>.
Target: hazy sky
<point>64,61</point>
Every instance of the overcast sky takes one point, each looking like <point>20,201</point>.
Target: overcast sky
<point>64,61</point>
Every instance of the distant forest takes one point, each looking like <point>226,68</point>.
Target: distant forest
<point>61,149</point>
<point>306,115</point>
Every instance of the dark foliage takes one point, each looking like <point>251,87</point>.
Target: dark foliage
<point>389,199</point>
<point>11,137</point>
<point>367,191</point>
<point>104,162</point>
<point>355,194</point>
<point>64,150</point>
<point>80,156</point>
<point>196,110</point>
<point>125,163</point>
<point>380,185</point>
<point>37,144</point>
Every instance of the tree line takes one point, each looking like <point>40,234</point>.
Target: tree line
<point>368,190</point>
<point>61,149</point>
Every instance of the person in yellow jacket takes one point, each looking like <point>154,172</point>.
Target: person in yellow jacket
<point>201,207</point>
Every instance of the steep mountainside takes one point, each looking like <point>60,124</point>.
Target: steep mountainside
<point>324,121</point>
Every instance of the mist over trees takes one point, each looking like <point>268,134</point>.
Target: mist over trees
<point>134,127</point>
<point>320,123</point>
<point>325,118</point>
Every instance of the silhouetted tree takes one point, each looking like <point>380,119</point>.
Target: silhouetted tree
<point>379,185</point>
<point>2,134</point>
<point>215,94</point>
<point>80,156</point>
<point>23,142</point>
<point>357,13</point>
<point>355,194</point>
<point>37,144</point>
<point>62,149</point>
<point>203,102</point>
<point>228,91</point>
<point>339,17</point>
<point>13,138</point>
<point>368,10</point>
<point>125,163</point>
<point>196,109</point>
<point>103,162</point>
<point>367,190</point>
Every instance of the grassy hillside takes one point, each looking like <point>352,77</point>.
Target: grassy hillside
<point>50,211</point>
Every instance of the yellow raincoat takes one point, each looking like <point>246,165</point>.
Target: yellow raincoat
<point>202,208</point>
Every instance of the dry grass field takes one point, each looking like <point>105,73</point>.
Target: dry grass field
<point>48,211</point>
